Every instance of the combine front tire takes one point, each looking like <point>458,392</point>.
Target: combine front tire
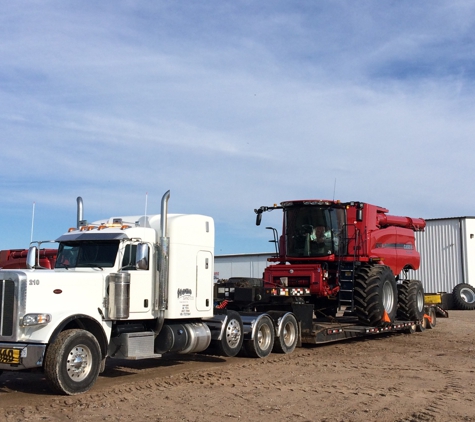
<point>464,297</point>
<point>73,362</point>
<point>410,300</point>
<point>375,295</point>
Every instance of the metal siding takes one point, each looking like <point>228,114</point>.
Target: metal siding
<point>440,246</point>
<point>227,266</point>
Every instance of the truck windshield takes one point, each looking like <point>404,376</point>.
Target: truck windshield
<point>87,254</point>
<point>314,230</point>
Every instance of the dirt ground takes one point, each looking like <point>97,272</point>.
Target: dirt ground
<point>428,376</point>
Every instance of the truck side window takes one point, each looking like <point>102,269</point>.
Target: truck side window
<point>128,261</point>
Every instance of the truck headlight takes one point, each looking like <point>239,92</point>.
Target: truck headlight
<point>35,319</point>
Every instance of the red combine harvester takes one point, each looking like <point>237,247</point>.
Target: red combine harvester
<point>348,256</point>
<point>16,258</point>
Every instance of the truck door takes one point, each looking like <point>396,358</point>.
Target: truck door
<point>140,283</point>
<point>204,280</point>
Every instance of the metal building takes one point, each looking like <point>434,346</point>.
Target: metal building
<point>447,248</point>
<point>241,265</point>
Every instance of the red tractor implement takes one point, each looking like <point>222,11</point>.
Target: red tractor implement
<point>16,258</point>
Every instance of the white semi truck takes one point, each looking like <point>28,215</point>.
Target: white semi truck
<point>140,286</point>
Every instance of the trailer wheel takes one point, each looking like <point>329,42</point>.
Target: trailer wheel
<point>231,341</point>
<point>262,342</point>
<point>422,325</point>
<point>410,301</point>
<point>287,341</point>
<point>464,297</point>
<point>72,362</point>
<point>433,318</point>
<point>375,294</point>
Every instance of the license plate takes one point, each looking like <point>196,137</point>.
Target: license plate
<point>10,356</point>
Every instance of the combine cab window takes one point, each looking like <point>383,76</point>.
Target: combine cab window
<point>314,230</point>
<point>87,254</point>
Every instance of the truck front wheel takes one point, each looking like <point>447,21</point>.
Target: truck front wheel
<point>73,362</point>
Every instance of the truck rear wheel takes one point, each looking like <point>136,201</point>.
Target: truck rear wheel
<point>287,341</point>
<point>410,301</point>
<point>72,362</point>
<point>375,295</point>
<point>464,297</point>
<point>262,342</point>
<point>231,341</point>
<point>433,318</point>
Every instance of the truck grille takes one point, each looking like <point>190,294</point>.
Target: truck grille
<point>7,301</point>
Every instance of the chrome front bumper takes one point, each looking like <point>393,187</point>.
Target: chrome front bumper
<point>31,356</point>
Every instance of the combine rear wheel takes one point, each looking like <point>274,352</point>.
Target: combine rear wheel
<point>262,342</point>
<point>410,301</point>
<point>464,297</point>
<point>375,295</point>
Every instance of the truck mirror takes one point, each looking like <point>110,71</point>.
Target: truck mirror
<point>141,256</point>
<point>31,257</point>
<point>258,218</point>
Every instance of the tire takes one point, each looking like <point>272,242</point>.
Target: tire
<point>260,346</point>
<point>73,362</point>
<point>464,297</point>
<point>375,294</point>
<point>433,318</point>
<point>422,325</point>
<point>289,335</point>
<point>410,301</point>
<point>231,341</point>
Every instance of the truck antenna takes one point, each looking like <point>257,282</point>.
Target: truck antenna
<point>334,188</point>
<point>32,222</point>
<point>146,201</point>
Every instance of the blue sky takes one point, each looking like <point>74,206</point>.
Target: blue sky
<point>231,105</point>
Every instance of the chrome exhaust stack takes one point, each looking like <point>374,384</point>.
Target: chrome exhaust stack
<point>80,217</point>
<point>163,264</point>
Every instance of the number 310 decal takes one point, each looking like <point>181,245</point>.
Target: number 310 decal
<point>34,282</point>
